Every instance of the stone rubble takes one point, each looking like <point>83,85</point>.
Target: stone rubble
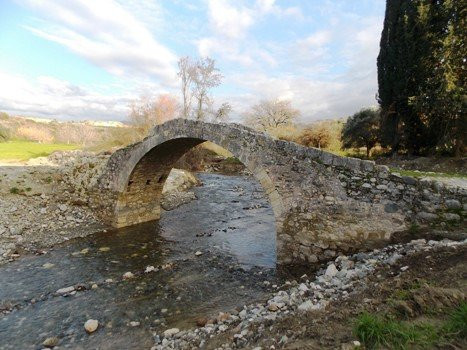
<point>338,280</point>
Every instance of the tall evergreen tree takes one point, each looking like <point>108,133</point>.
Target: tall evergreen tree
<point>421,75</point>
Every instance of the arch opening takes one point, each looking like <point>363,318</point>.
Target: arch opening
<point>140,194</point>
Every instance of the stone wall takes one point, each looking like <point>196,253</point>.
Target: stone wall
<point>323,204</point>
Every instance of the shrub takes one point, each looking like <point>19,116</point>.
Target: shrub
<point>325,134</point>
<point>4,116</point>
<point>5,134</point>
<point>14,190</point>
<point>38,133</point>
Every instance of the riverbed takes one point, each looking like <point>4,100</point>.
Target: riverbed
<point>216,253</point>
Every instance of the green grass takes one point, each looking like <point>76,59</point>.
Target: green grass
<point>376,332</point>
<point>232,160</point>
<point>24,150</point>
<point>382,331</point>
<point>456,326</point>
<point>416,173</point>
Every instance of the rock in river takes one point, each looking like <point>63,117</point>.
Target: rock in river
<point>91,325</point>
<point>171,332</point>
<point>128,275</point>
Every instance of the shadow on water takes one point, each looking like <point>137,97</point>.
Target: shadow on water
<point>231,223</point>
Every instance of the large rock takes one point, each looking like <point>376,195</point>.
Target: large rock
<point>179,180</point>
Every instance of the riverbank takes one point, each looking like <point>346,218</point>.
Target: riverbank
<point>404,295</point>
<point>45,201</point>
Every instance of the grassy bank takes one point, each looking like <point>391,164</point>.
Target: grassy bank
<point>24,150</point>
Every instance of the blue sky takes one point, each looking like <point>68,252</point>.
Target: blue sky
<point>81,59</point>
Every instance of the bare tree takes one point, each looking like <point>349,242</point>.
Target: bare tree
<point>206,77</point>
<point>149,111</point>
<point>186,73</point>
<point>271,114</point>
<point>222,113</point>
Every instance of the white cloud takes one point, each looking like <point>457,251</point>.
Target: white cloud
<point>317,39</point>
<point>48,96</point>
<point>106,34</point>
<point>229,21</point>
<point>326,64</point>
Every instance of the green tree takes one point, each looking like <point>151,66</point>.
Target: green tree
<point>442,95</point>
<point>362,130</point>
<point>421,76</point>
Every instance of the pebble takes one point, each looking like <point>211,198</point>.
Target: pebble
<point>171,332</point>
<point>134,323</point>
<point>128,275</point>
<point>91,325</point>
<point>50,342</point>
<point>65,290</point>
<point>149,269</point>
<point>198,253</point>
<point>273,307</point>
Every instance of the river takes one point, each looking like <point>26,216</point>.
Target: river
<point>231,224</point>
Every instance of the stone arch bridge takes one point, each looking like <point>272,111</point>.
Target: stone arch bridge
<point>323,204</point>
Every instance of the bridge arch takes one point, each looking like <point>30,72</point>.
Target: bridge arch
<point>140,172</point>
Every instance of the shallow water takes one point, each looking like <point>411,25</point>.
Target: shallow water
<point>231,223</point>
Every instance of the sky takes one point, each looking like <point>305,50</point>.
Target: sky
<point>88,60</point>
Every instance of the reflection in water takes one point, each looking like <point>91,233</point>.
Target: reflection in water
<point>231,223</point>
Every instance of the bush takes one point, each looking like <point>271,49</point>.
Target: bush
<point>4,116</point>
<point>37,133</point>
<point>5,134</point>
<point>325,134</point>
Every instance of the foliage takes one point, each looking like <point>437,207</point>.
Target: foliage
<point>362,130</point>
<point>271,114</point>
<point>24,150</point>
<point>421,76</point>
<point>4,116</point>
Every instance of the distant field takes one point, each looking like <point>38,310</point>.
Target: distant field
<point>24,150</point>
